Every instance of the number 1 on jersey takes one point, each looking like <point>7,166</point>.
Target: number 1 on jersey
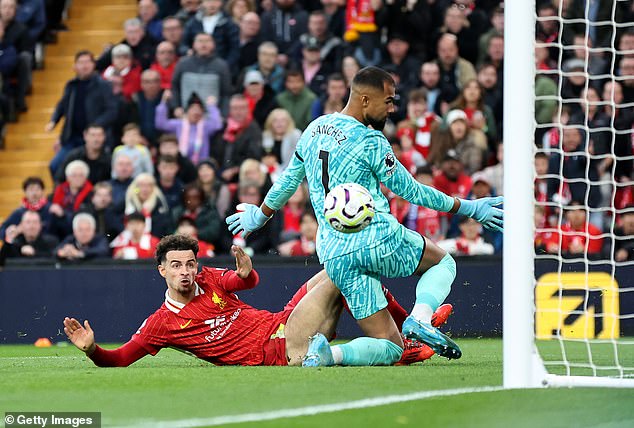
<point>325,178</point>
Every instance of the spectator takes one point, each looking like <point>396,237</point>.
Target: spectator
<point>32,14</point>
<point>188,10</point>
<point>122,169</point>
<point>173,33</point>
<point>297,99</point>
<point>624,236</point>
<point>430,81</point>
<point>84,243</point>
<point>404,147</point>
<point>546,239</point>
<point>8,63</point>
<point>283,25</point>
<point>404,64</point>
<point>126,111</point>
<point>142,45</point>
<point>168,182</point>
<point>203,73</point>
<point>492,93</point>
<point>260,96</point>
<point>168,146</point>
<point>108,217</point>
<point>16,34</point>
<point>292,214</point>
<point>452,180</point>
<point>93,153</point>
<point>314,69</point>
<point>194,130</point>
<point>28,239</point>
<point>280,136</point>
<point>272,72</point>
<point>145,103</point>
<point>305,245</point>
<point>456,23</point>
<point>330,46</point>
<point>241,139</point>
<point>576,164</point>
<point>547,28</point>
<point>211,19</point>
<point>336,95</point>
<point>495,55</point>
<point>455,71</point>
<point>622,125</point>
<point>187,226</point>
<point>34,200</point>
<point>577,232</point>
<point>148,15</point>
<point>69,195</point>
<point>349,67</point>
<point>626,74</point>
<point>165,63</point>
<point>470,241</point>
<point>469,144</point>
<point>87,99</point>
<point>134,242</point>
<point>236,9</point>
<point>495,174</point>
<point>122,65</point>
<point>497,29</point>
<point>479,115</point>
<point>420,122</point>
<point>408,17</point>
<point>574,81</point>
<point>426,220</point>
<point>207,179</point>
<point>144,196</point>
<point>250,40</point>
<point>202,210</point>
<point>597,64</point>
<point>134,149</point>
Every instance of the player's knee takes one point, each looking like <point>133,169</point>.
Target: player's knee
<point>393,352</point>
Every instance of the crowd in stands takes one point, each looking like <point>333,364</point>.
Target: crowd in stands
<point>200,105</point>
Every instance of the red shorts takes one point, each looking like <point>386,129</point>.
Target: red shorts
<point>275,347</point>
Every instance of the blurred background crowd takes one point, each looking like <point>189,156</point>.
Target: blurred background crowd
<point>200,104</point>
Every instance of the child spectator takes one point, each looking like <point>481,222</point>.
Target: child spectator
<point>305,245</point>
<point>132,148</point>
<point>134,242</point>
<point>469,243</point>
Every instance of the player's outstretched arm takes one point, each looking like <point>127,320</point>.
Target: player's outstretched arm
<point>83,337</point>
<point>244,277</point>
<point>250,218</point>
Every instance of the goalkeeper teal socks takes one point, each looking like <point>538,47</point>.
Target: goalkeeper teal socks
<point>367,351</point>
<point>435,284</point>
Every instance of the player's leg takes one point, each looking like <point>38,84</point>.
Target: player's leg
<point>437,270</point>
<point>317,311</point>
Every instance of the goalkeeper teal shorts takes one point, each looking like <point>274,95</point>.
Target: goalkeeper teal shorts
<point>358,274</point>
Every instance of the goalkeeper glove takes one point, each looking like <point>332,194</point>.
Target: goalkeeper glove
<point>249,218</point>
<point>483,210</point>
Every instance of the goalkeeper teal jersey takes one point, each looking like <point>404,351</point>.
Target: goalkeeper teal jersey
<point>336,149</point>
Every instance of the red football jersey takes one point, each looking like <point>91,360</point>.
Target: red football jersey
<point>215,326</point>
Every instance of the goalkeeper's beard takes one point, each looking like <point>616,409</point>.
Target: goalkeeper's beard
<point>376,124</point>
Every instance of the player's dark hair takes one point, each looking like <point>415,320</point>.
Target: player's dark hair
<point>31,181</point>
<point>175,243</point>
<point>373,77</point>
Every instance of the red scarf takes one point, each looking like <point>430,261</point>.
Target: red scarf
<point>36,206</point>
<point>234,128</point>
<point>359,19</point>
<point>67,200</point>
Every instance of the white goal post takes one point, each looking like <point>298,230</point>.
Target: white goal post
<point>523,366</point>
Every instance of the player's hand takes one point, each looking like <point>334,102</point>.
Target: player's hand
<point>82,337</point>
<point>243,261</point>
<point>484,211</point>
<point>249,218</point>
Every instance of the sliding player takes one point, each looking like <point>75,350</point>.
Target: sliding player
<point>202,315</point>
<point>340,148</point>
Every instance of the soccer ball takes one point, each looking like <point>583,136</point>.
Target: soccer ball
<point>349,208</point>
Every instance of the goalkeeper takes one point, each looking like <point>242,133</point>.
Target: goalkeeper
<point>340,148</point>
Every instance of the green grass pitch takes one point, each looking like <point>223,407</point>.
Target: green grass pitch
<point>178,390</point>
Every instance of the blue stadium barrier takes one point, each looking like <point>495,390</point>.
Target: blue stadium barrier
<point>117,298</point>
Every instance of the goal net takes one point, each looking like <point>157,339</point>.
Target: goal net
<point>578,197</point>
